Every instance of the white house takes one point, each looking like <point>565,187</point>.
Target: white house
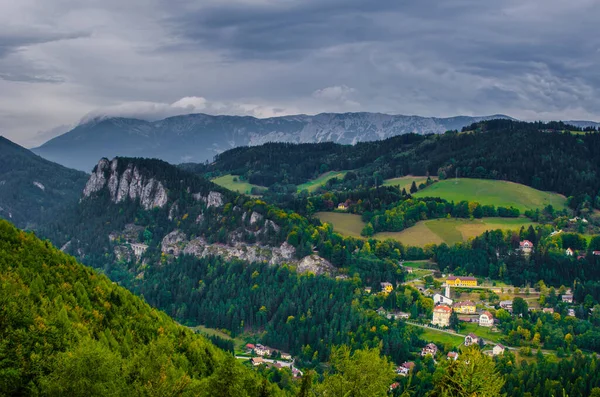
<point>567,298</point>
<point>486,319</point>
<point>471,339</point>
<point>569,252</point>
<point>498,350</point>
<point>431,348</point>
<point>526,246</point>
<point>442,299</point>
<point>262,350</point>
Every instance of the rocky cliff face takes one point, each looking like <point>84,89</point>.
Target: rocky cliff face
<point>128,184</point>
<point>176,243</point>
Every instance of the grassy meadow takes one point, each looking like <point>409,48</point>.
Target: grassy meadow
<point>314,184</point>
<point>492,192</point>
<point>435,336</point>
<point>405,182</point>
<point>434,231</point>
<point>346,224</point>
<point>227,181</point>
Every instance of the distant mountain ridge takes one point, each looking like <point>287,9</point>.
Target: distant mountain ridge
<point>32,189</point>
<point>199,137</point>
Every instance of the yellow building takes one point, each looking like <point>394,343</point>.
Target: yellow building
<point>466,307</point>
<point>441,316</point>
<point>387,287</point>
<point>458,281</point>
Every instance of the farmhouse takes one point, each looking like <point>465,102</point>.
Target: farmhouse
<point>526,246</point>
<point>441,315</point>
<point>262,350</point>
<point>405,368</point>
<point>441,299</point>
<point>256,361</point>
<point>471,339</point>
<point>431,348</point>
<point>466,307</point>
<point>250,347</point>
<point>387,287</point>
<point>486,319</point>
<point>452,356</point>
<point>398,315</point>
<point>498,350</point>
<point>456,281</point>
<point>569,252</point>
<point>567,298</point>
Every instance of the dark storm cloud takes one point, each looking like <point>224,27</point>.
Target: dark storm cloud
<point>532,59</point>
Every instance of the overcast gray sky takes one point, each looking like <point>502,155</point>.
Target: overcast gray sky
<point>61,60</point>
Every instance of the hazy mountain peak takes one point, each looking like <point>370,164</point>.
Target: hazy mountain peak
<point>199,137</point>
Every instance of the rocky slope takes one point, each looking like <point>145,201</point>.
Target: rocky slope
<point>198,137</point>
<point>146,212</point>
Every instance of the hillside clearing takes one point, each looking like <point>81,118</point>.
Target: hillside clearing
<point>433,231</point>
<point>492,192</point>
<point>313,185</point>
<point>405,182</point>
<point>228,182</point>
<point>346,224</point>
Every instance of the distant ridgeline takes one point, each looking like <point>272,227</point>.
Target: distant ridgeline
<point>33,190</point>
<point>67,330</point>
<point>545,156</point>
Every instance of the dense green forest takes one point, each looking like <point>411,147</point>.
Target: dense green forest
<point>34,191</point>
<point>304,314</point>
<point>66,330</point>
<point>543,156</point>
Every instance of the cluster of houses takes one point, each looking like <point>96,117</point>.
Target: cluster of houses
<point>526,246</point>
<point>442,313</point>
<point>264,351</point>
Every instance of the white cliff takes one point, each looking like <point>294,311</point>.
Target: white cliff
<point>130,184</point>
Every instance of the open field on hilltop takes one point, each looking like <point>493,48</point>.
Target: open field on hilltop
<point>492,192</point>
<point>346,224</point>
<point>405,182</point>
<point>434,231</point>
<point>239,186</point>
<point>313,185</point>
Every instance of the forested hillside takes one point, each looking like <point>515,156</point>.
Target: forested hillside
<point>67,330</point>
<point>33,190</point>
<point>546,156</point>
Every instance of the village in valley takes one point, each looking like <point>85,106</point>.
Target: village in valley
<point>467,308</point>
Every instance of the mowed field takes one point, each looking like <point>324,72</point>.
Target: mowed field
<point>492,192</point>
<point>313,185</point>
<point>405,182</point>
<point>346,224</point>
<point>434,231</point>
<point>236,186</point>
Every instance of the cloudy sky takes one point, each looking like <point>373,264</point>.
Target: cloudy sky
<point>64,60</point>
